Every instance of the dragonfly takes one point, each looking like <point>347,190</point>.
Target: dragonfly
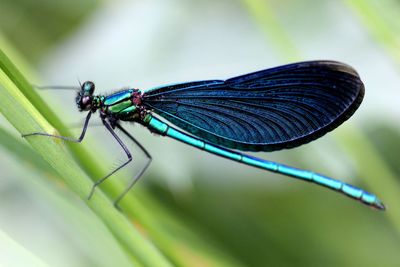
<point>268,110</point>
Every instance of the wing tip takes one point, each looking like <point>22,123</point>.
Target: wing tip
<point>331,64</point>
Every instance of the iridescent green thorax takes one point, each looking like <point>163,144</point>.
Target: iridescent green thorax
<point>123,105</point>
<point>118,97</point>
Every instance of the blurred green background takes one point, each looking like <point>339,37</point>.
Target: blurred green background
<point>202,210</point>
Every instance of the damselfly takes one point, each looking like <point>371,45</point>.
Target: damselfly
<point>268,110</point>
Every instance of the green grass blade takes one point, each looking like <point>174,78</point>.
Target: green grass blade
<point>19,111</point>
<point>24,153</point>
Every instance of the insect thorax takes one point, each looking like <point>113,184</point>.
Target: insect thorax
<point>123,105</point>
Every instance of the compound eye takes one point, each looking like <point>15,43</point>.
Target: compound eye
<point>86,101</point>
<point>88,88</point>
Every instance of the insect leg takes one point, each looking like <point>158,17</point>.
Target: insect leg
<point>128,154</point>
<point>71,139</point>
<point>140,174</point>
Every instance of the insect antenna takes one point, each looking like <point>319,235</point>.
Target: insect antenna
<point>56,87</point>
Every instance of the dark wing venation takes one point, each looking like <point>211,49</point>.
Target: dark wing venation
<point>268,110</point>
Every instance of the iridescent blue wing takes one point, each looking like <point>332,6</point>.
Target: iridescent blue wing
<point>268,110</point>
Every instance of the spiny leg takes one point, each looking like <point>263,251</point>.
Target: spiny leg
<point>128,154</point>
<point>85,125</point>
<point>140,174</point>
